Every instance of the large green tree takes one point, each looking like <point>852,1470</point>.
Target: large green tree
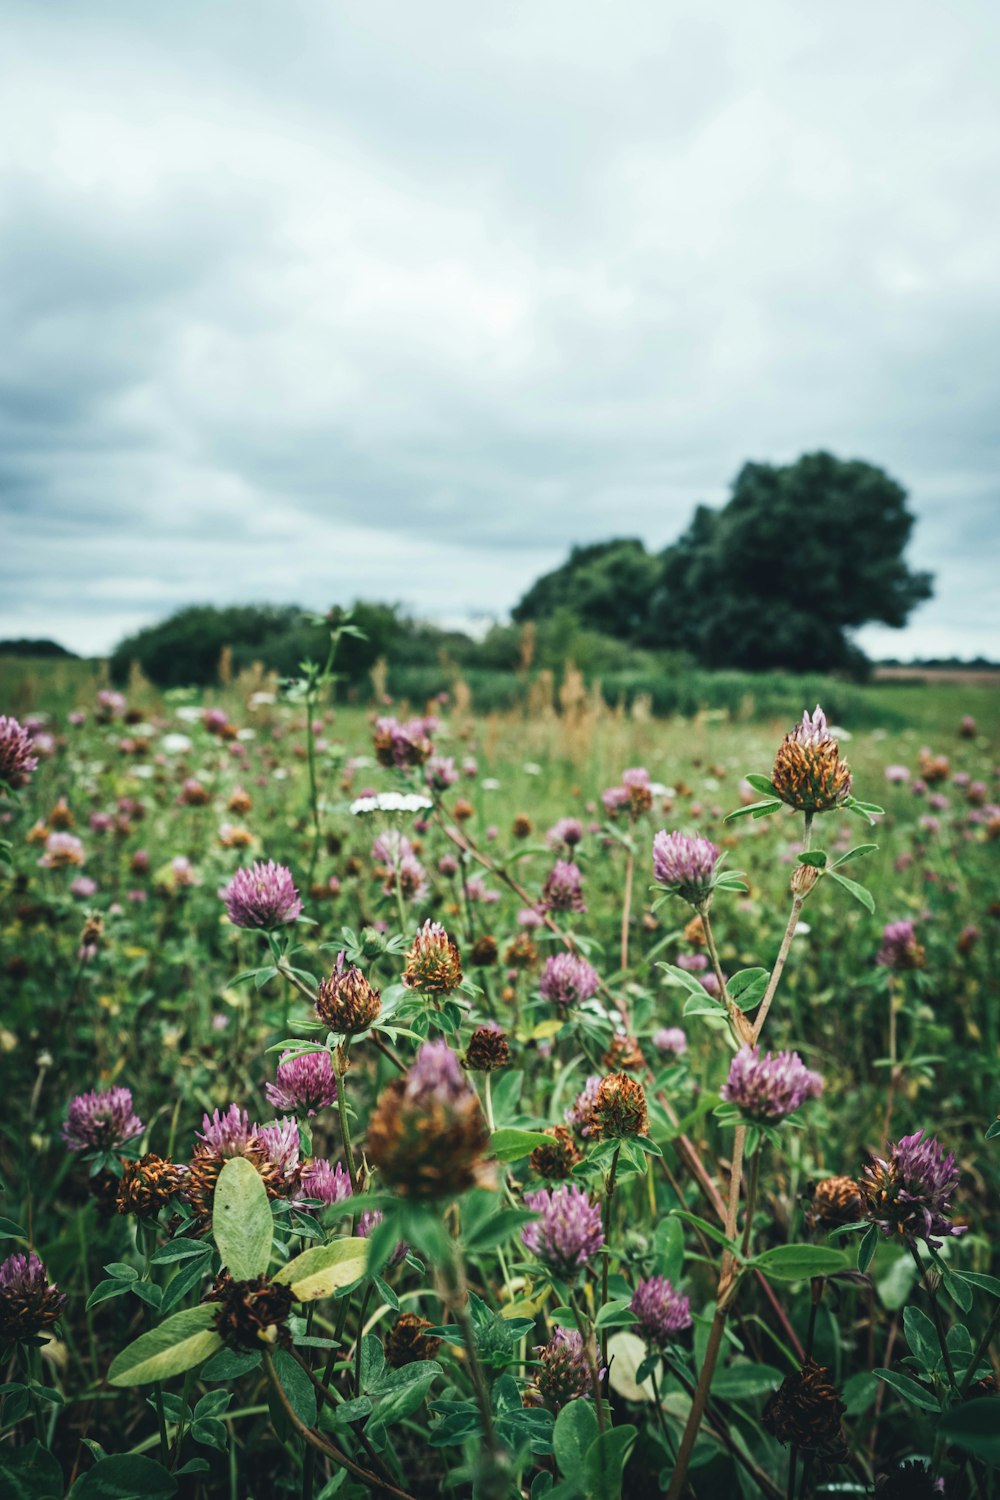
<point>606,586</point>
<point>801,555</point>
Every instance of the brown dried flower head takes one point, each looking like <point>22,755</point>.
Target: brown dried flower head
<point>484,951</point>
<point>624,1052</point>
<point>555,1162</point>
<point>835,1201</point>
<point>809,773</point>
<point>251,1313</point>
<point>620,1108</point>
<point>433,964</point>
<point>521,952</point>
<point>147,1185</point>
<point>345,1001</point>
<point>521,827</point>
<point>206,1164</point>
<point>427,1133</point>
<point>407,1342</point>
<point>488,1050</point>
<point>806,1410</point>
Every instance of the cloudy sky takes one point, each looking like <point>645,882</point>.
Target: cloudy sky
<point>300,302</point>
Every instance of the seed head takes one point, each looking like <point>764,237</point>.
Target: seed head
<point>835,1201</point>
<point>29,1301</point>
<point>427,1133</point>
<point>147,1185</point>
<point>809,773</point>
<point>346,1001</point>
<point>620,1108</point>
<point>251,1313</point>
<point>488,1049</point>
<point>433,964</point>
<point>557,1160</point>
<point>407,1341</point>
<point>806,1410</point>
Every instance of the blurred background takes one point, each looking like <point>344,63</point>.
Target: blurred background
<point>659,339</point>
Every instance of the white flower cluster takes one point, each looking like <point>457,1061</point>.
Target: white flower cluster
<point>402,802</point>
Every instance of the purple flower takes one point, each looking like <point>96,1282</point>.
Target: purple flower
<point>227,1134</point>
<point>330,1184</point>
<point>567,980</point>
<point>61,851</point>
<point>670,1039</point>
<point>567,1233</point>
<point>83,888</point>
<point>909,1193</point>
<point>263,896</point>
<point>897,774</point>
<point>403,745</point>
<point>281,1144</point>
<point>900,948</point>
<point>369,1222</point>
<point>614,799</point>
<point>29,1301</point>
<point>564,1374</point>
<point>563,890</point>
<point>581,1112</point>
<point>436,1077</point>
<point>101,1121</point>
<point>685,864</point>
<point>303,1084</point>
<point>568,831</point>
<point>440,773</point>
<point>17,763</point>
<point>695,963</point>
<point>662,1312</point>
<point>770,1087</point>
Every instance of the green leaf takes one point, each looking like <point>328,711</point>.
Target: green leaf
<point>180,1250</point>
<point>230,1364</point>
<point>297,1387</point>
<point>180,1343</point>
<point>743,1380</point>
<point>105,1290</point>
<point>706,1228</point>
<point>748,986</point>
<point>682,977</point>
<point>867,1248</point>
<point>857,853</point>
<point>908,1388</point>
<point>763,785</point>
<point>573,1435</point>
<point>499,1227</point>
<point>512,1145</point>
<point>30,1473</point>
<point>857,891</point>
<point>753,810</point>
<point>814,857</point>
<point>125,1476</point>
<point>11,1231</point>
<point>796,1262</point>
<point>921,1337</point>
<point>320,1271</point>
<point>241,1220</point>
<point>605,1462</point>
<point>974,1427</point>
<point>989,1284</point>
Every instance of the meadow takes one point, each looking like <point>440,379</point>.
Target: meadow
<point>510,1204</point>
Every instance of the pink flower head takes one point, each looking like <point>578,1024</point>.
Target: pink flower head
<point>440,773</point>
<point>61,851</point>
<point>303,1084</point>
<point>685,864</point>
<point>330,1184</point>
<point>768,1088</point>
<point>568,831</point>
<point>568,980</point>
<point>563,890</point>
<point>17,763</point>
<point>670,1039</point>
<point>567,1233</point>
<point>661,1311</point>
<point>227,1134</point>
<point>101,1121</point>
<point>281,1144</point>
<point>581,1112</point>
<point>263,896</point>
<point>909,1193</point>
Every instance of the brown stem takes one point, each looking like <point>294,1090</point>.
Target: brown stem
<point>323,1445</point>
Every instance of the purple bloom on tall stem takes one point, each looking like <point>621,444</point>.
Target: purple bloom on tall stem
<point>563,890</point>
<point>768,1088</point>
<point>303,1084</point>
<point>17,762</point>
<point>909,1192</point>
<point>685,864</point>
<point>263,896</point>
<point>567,980</point>
<point>567,1233</point>
<point>101,1121</point>
<point>330,1184</point>
<point>29,1301</point>
<point>662,1312</point>
<point>900,948</point>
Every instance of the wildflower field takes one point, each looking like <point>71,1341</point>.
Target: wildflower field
<point>563,1102</point>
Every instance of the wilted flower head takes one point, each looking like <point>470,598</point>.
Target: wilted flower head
<point>900,948</point>
<point>29,1301</point>
<point>263,896</point>
<point>567,1233</point>
<point>835,1201</point>
<point>768,1088</point>
<point>330,1184</point>
<point>407,1341</point>
<point>806,1411</point>
<point>147,1185</point>
<point>662,1312</point>
<point>620,1108</point>
<point>564,1374</point>
<point>433,964</point>
<point>563,890</point>
<point>488,1049</point>
<point>556,1159</point>
<point>808,773</point>
<point>346,1001</point>
<point>427,1133</point>
<point>251,1313</point>
<point>62,850</point>
<point>101,1121</point>
<point>303,1084</point>
<point>685,863</point>
<point>909,1193</point>
<point>670,1039</point>
<point>402,745</point>
<point>17,762</point>
<point>567,979</point>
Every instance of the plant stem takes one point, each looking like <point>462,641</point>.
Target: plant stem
<point>627,907</point>
<point>936,1314</point>
<point>345,1127</point>
<point>607,1251</point>
<point>595,1374</point>
<point>890,1095</point>
<point>748,1212</point>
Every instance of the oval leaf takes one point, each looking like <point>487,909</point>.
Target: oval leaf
<point>511,1145</point>
<point>796,1262</point>
<point>320,1271</point>
<point>179,1344</point>
<point>241,1220</point>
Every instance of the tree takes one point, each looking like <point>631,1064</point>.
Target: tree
<point>801,554</point>
<point>606,586</point>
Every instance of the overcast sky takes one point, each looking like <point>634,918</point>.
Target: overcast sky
<point>306,301</point>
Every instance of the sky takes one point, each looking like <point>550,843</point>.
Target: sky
<point>306,302</point>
